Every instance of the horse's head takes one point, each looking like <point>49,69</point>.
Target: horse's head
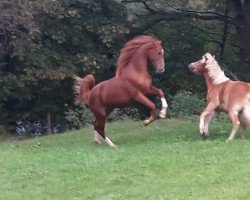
<point>199,66</point>
<point>156,57</point>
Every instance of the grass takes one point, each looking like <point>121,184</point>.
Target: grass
<point>166,160</point>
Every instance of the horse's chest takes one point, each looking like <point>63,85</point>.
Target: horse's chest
<point>145,85</point>
<point>219,100</point>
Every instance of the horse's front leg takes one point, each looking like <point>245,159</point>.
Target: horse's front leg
<point>140,97</point>
<point>158,92</point>
<point>205,118</point>
<point>207,122</point>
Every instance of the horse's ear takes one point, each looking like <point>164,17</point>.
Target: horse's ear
<point>159,43</point>
<point>206,57</point>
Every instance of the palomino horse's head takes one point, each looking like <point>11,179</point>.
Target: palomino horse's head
<point>199,66</point>
<point>156,57</point>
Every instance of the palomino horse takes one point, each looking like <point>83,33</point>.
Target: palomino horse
<point>131,83</point>
<point>223,94</point>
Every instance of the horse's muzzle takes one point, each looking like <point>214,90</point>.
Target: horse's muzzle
<point>191,67</point>
<point>160,70</point>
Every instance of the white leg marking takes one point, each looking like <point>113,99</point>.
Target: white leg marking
<point>96,137</point>
<point>164,107</point>
<point>201,125</point>
<point>164,102</point>
<point>233,132</point>
<point>207,123</point>
<point>110,143</point>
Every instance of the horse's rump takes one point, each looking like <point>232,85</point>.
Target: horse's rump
<point>82,88</point>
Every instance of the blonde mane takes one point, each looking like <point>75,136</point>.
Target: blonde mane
<point>130,49</point>
<point>214,70</point>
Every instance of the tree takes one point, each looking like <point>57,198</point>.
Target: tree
<point>235,13</point>
<point>43,43</point>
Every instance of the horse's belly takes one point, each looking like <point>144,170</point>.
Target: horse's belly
<point>117,98</point>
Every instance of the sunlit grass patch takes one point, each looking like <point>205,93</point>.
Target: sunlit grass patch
<point>165,160</point>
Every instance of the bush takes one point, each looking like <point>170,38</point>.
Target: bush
<point>185,103</point>
<point>79,117</point>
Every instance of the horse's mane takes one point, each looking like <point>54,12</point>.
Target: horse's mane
<point>214,70</point>
<point>130,49</point>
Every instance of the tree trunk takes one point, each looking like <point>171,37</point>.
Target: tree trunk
<point>49,130</point>
<point>224,35</point>
<point>242,16</point>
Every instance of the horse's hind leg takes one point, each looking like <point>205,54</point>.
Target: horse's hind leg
<point>242,131</point>
<point>235,124</point>
<point>99,128</point>
<point>96,137</point>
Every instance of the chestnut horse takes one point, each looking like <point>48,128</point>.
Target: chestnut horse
<point>223,94</point>
<point>131,84</point>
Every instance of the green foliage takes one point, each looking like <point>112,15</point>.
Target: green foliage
<point>44,42</point>
<point>185,103</point>
<point>77,118</point>
<point>131,113</point>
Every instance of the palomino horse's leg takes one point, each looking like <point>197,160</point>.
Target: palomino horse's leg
<point>203,117</point>
<point>164,105</point>
<point>235,124</point>
<point>207,122</point>
<point>145,101</point>
<point>99,127</point>
<point>242,131</point>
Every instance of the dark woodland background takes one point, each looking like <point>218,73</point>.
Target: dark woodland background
<point>43,43</point>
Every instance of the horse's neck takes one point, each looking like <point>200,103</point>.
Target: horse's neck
<point>138,65</point>
<point>209,81</point>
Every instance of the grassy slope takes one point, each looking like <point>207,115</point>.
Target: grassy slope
<point>166,160</point>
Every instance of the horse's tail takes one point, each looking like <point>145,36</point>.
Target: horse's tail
<point>82,88</point>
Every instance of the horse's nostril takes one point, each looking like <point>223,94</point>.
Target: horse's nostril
<point>191,67</point>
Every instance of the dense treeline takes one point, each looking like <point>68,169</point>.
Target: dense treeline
<point>43,43</point>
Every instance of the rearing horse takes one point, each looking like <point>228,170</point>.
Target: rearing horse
<point>131,84</point>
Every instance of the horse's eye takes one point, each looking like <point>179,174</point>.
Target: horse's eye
<point>159,52</point>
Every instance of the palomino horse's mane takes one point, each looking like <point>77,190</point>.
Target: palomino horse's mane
<point>130,49</point>
<point>214,70</point>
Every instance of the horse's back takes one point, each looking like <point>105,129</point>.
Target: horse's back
<point>111,93</point>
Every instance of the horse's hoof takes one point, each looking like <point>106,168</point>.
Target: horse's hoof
<point>229,140</point>
<point>204,136</point>
<point>97,142</point>
<point>163,113</point>
<point>147,122</point>
<point>114,147</point>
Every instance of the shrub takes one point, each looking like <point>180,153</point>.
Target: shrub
<point>185,103</point>
<point>78,117</point>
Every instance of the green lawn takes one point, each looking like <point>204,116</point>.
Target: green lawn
<point>166,160</point>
